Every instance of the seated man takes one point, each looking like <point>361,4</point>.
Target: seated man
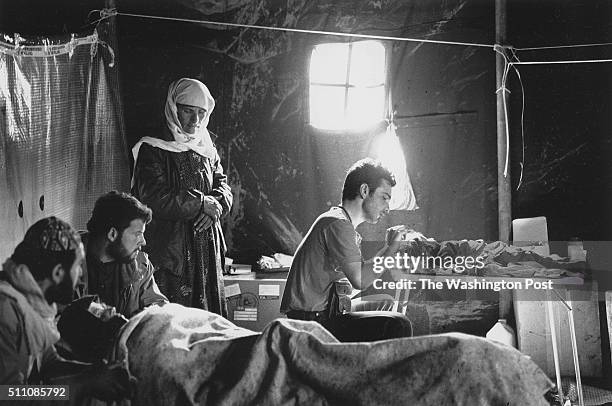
<point>330,251</point>
<point>43,271</point>
<point>116,268</point>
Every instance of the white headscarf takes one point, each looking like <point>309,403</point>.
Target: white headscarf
<point>191,92</point>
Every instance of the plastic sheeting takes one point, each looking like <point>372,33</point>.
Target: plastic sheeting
<point>62,141</point>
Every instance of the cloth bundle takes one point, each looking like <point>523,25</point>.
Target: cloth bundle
<point>500,259</point>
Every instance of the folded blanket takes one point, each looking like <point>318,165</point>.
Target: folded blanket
<point>186,356</point>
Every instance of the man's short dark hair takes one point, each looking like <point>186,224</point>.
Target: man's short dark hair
<point>118,210</point>
<point>47,243</point>
<point>369,171</point>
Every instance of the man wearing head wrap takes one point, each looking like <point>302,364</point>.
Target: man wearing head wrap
<point>179,175</point>
<point>43,271</point>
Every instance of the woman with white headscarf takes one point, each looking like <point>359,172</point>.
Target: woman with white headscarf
<point>179,175</point>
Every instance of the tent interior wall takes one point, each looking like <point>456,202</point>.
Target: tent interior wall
<point>284,173</point>
<point>447,92</point>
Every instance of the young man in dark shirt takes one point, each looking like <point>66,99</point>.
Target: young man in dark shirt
<point>331,251</point>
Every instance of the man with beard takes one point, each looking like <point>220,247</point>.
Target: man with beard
<point>331,252</point>
<point>116,268</point>
<point>43,271</point>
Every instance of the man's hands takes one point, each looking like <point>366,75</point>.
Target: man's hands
<point>398,237</point>
<point>395,237</point>
<point>108,313</point>
<point>211,211</point>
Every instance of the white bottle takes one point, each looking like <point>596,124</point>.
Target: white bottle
<point>502,333</point>
<point>575,250</point>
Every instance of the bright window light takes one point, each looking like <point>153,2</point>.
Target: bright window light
<point>388,150</point>
<point>347,85</point>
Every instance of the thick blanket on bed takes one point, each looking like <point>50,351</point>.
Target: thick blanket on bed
<point>186,356</point>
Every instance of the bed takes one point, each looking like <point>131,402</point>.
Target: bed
<point>472,311</point>
<point>187,356</point>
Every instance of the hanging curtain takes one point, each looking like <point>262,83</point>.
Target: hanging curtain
<point>387,149</point>
<point>62,141</point>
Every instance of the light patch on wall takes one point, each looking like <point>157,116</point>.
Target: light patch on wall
<point>18,103</point>
<point>388,150</point>
<point>347,85</point>
<point>4,90</point>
